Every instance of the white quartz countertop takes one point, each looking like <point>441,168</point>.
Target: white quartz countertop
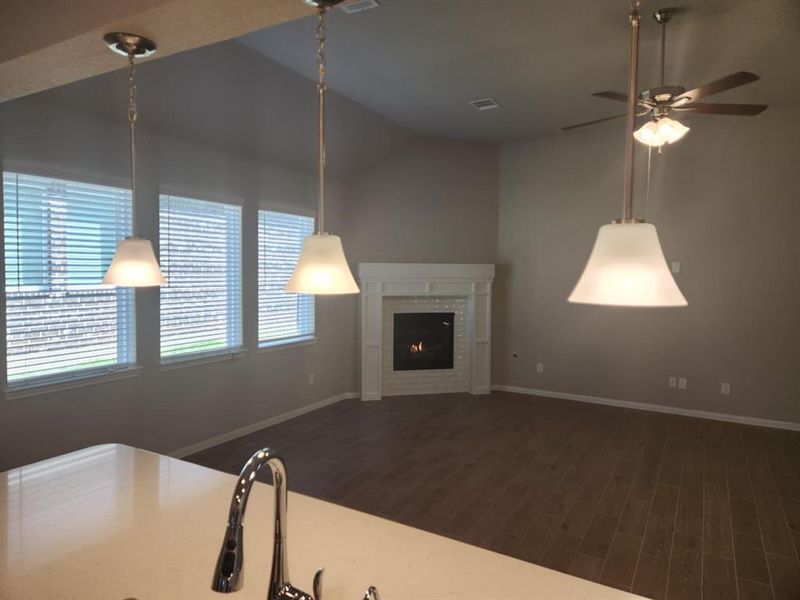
<point>113,522</point>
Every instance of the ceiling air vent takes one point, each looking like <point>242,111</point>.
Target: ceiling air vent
<point>357,6</point>
<point>484,104</point>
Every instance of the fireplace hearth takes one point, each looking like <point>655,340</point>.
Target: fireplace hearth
<point>423,340</point>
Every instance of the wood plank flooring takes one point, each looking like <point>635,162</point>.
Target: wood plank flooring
<point>671,508</point>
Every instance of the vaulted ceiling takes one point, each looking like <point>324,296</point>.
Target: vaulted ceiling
<point>408,68</point>
<point>419,62</point>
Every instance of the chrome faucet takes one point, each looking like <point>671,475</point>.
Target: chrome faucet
<point>228,575</point>
<point>229,572</point>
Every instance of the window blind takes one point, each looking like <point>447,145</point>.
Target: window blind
<point>201,257</point>
<point>59,238</point>
<point>281,316</point>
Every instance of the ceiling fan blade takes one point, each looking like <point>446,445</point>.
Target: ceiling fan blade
<point>592,122</point>
<point>747,110</point>
<point>618,96</point>
<point>715,87</point>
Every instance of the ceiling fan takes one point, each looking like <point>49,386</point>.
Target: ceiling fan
<point>659,102</point>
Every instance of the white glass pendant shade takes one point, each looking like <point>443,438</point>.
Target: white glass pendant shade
<point>322,268</point>
<point>627,268</point>
<point>659,132</point>
<point>134,265</point>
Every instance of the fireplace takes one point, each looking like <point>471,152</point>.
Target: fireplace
<point>423,340</point>
<point>389,289</point>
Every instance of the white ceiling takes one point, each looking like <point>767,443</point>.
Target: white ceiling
<point>418,62</point>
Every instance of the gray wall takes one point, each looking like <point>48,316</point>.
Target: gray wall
<point>726,201</point>
<point>432,201</point>
<point>166,410</point>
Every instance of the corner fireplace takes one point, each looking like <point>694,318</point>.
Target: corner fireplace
<point>423,341</point>
<point>388,289</point>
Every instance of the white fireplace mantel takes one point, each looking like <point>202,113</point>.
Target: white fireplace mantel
<point>471,281</point>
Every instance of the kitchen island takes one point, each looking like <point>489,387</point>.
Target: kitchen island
<point>113,522</point>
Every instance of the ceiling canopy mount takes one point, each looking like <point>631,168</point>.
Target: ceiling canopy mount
<point>663,15</point>
<point>128,44</point>
<point>323,3</point>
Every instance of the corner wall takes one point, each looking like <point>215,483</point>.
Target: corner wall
<point>432,201</point>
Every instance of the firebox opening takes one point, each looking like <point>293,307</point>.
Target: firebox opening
<point>423,341</point>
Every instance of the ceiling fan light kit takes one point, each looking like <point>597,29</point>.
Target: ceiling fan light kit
<point>134,263</point>
<point>627,265</point>
<point>322,268</point>
<point>661,131</point>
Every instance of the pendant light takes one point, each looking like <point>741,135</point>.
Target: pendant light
<point>134,263</point>
<point>627,266</point>
<point>322,268</point>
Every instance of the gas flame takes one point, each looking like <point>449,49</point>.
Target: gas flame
<point>416,348</point>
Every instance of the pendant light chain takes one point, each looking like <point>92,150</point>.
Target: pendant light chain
<point>132,117</point>
<point>627,216</point>
<point>321,100</point>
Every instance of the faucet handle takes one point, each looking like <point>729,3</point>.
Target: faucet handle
<point>372,593</point>
<point>316,587</point>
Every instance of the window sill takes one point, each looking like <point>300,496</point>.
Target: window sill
<point>195,360</point>
<point>286,344</point>
<point>56,384</point>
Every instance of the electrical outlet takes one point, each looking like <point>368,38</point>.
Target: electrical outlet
<point>682,383</point>
<point>675,267</point>
<point>310,379</point>
<point>672,382</point>
<point>725,388</point>
<point>540,367</point>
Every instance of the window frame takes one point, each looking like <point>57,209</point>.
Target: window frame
<point>294,341</point>
<point>189,359</point>
<point>45,384</point>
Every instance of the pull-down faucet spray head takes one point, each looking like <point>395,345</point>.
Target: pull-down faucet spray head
<point>229,572</point>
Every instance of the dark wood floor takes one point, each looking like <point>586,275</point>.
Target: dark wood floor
<point>667,507</point>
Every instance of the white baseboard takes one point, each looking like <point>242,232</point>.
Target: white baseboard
<point>236,433</point>
<point>671,410</point>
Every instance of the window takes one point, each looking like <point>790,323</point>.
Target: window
<point>282,317</point>
<point>61,321</point>
<point>201,256</point>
